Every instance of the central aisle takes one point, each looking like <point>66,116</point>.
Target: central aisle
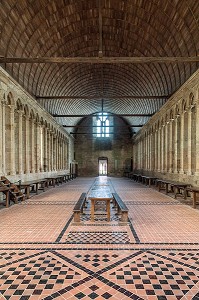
<point>44,255</point>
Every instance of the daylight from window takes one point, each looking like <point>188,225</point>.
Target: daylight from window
<point>102,123</point>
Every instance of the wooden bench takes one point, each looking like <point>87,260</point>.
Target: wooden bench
<point>172,187</point>
<point>121,208</point>
<point>14,192</point>
<point>79,207</point>
<point>194,191</point>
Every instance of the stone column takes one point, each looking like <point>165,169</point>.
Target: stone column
<point>189,144</point>
<point>152,157</point>
<point>57,153</point>
<point>197,139</point>
<point>155,150</point>
<point>166,147</point>
<point>38,146</point>
<point>20,138</point>
<point>148,152</point>
<point>62,148</point>
<point>45,149</point>
<point>176,146</point>
<point>171,147</point>
<point>49,149</point>
<point>182,144</point>
<point>158,150</point>
<point>52,151</point>
<point>1,137</point>
<point>27,167</point>
<point>163,149</point>
<point>33,147</point>
<point>12,140</point>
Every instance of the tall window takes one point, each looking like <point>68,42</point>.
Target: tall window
<point>102,125</point>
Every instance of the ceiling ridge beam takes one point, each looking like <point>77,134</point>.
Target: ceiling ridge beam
<point>102,60</point>
<point>104,97</point>
<point>111,114</point>
<point>80,126</point>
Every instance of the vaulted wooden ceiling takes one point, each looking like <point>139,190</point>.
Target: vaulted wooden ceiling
<point>102,29</point>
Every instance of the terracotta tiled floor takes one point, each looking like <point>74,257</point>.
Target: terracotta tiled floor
<point>45,255</point>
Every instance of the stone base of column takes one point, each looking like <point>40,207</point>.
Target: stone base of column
<point>189,173</point>
<point>181,172</point>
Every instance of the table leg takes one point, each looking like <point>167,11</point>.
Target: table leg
<point>92,210</point>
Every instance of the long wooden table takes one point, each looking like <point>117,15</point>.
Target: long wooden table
<point>100,196</point>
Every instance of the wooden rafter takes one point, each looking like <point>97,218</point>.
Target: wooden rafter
<point>115,115</point>
<point>96,97</point>
<point>101,60</point>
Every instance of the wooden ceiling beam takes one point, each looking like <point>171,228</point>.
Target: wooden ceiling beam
<point>96,97</point>
<point>100,60</point>
<point>114,115</point>
<point>87,126</point>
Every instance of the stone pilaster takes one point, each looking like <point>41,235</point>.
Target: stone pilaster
<point>176,146</point>
<point>163,149</point>
<point>12,140</point>
<point>155,150</point>
<point>189,143</point>
<point>159,149</point>
<point>1,138</point>
<point>49,149</point>
<point>27,153</point>
<point>166,147</point>
<point>45,149</point>
<point>38,146</point>
<point>32,146</point>
<point>197,140</point>
<point>171,146</point>
<point>182,144</point>
<point>20,135</point>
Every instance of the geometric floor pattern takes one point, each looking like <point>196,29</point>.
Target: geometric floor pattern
<point>97,238</point>
<point>46,256</point>
<point>138,273</point>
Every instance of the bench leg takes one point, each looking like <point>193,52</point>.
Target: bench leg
<point>124,217</point>
<point>194,200</point>
<point>77,217</point>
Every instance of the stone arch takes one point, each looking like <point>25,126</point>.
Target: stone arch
<point>184,105</point>
<point>32,114</point>
<point>26,110</point>
<point>177,110</point>
<point>10,99</point>
<point>19,105</point>
<point>191,99</point>
<point>171,115</point>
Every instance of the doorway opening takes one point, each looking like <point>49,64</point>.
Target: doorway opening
<point>103,166</point>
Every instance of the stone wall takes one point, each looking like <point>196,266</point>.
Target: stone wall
<point>32,144</point>
<point>168,145</point>
<point>117,149</point>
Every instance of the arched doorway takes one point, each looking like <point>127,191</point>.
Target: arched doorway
<point>103,166</point>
